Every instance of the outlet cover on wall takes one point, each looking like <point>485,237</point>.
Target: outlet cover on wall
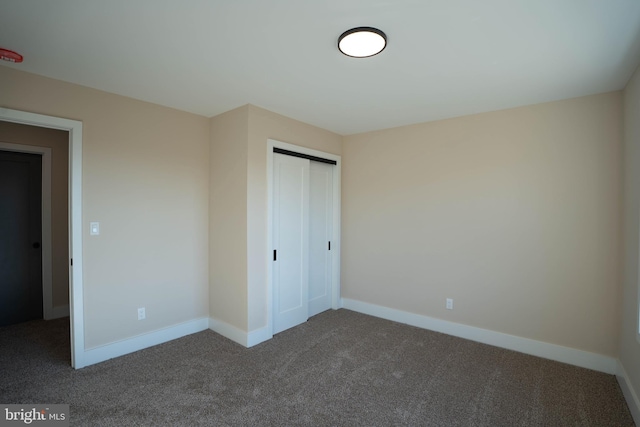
<point>141,314</point>
<point>449,303</point>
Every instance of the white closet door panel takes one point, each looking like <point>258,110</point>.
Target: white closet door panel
<point>320,232</point>
<point>291,240</point>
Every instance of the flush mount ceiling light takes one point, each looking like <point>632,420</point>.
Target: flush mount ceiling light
<point>362,42</point>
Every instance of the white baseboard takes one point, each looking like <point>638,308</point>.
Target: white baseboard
<point>238,335</point>
<point>59,312</point>
<point>258,336</point>
<point>228,331</point>
<point>120,348</point>
<point>630,394</point>
<point>556,352</point>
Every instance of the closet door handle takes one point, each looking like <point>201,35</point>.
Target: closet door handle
<point>275,255</point>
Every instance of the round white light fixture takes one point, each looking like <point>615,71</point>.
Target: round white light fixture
<point>362,42</point>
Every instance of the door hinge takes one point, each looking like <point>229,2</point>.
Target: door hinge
<point>275,256</point>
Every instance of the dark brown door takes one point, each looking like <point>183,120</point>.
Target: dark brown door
<point>20,237</point>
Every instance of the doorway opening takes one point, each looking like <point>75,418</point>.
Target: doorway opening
<point>52,308</point>
<point>74,129</point>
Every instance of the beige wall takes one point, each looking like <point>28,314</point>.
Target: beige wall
<point>228,218</point>
<point>629,340</point>
<point>238,207</point>
<point>58,141</point>
<point>264,125</point>
<point>146,179</point>
<point>514,214</point>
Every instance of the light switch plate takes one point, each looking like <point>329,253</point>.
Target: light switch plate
<point>94,228</point>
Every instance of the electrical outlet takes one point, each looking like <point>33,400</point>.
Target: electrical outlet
<point>141,314</point>
<point>449,303</point>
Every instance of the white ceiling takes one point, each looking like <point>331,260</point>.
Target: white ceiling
<point>444,58</point>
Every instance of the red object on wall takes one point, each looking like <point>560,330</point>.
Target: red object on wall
<point>9,55</point>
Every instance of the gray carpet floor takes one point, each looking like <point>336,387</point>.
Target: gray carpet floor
<point>341,368</point>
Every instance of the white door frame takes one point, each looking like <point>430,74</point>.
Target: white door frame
<point>76,307</point>
<point>47,264</point>
<point>335,241</point>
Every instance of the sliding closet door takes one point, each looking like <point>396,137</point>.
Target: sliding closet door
<point>290,241</point>
<point>320,232</point>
